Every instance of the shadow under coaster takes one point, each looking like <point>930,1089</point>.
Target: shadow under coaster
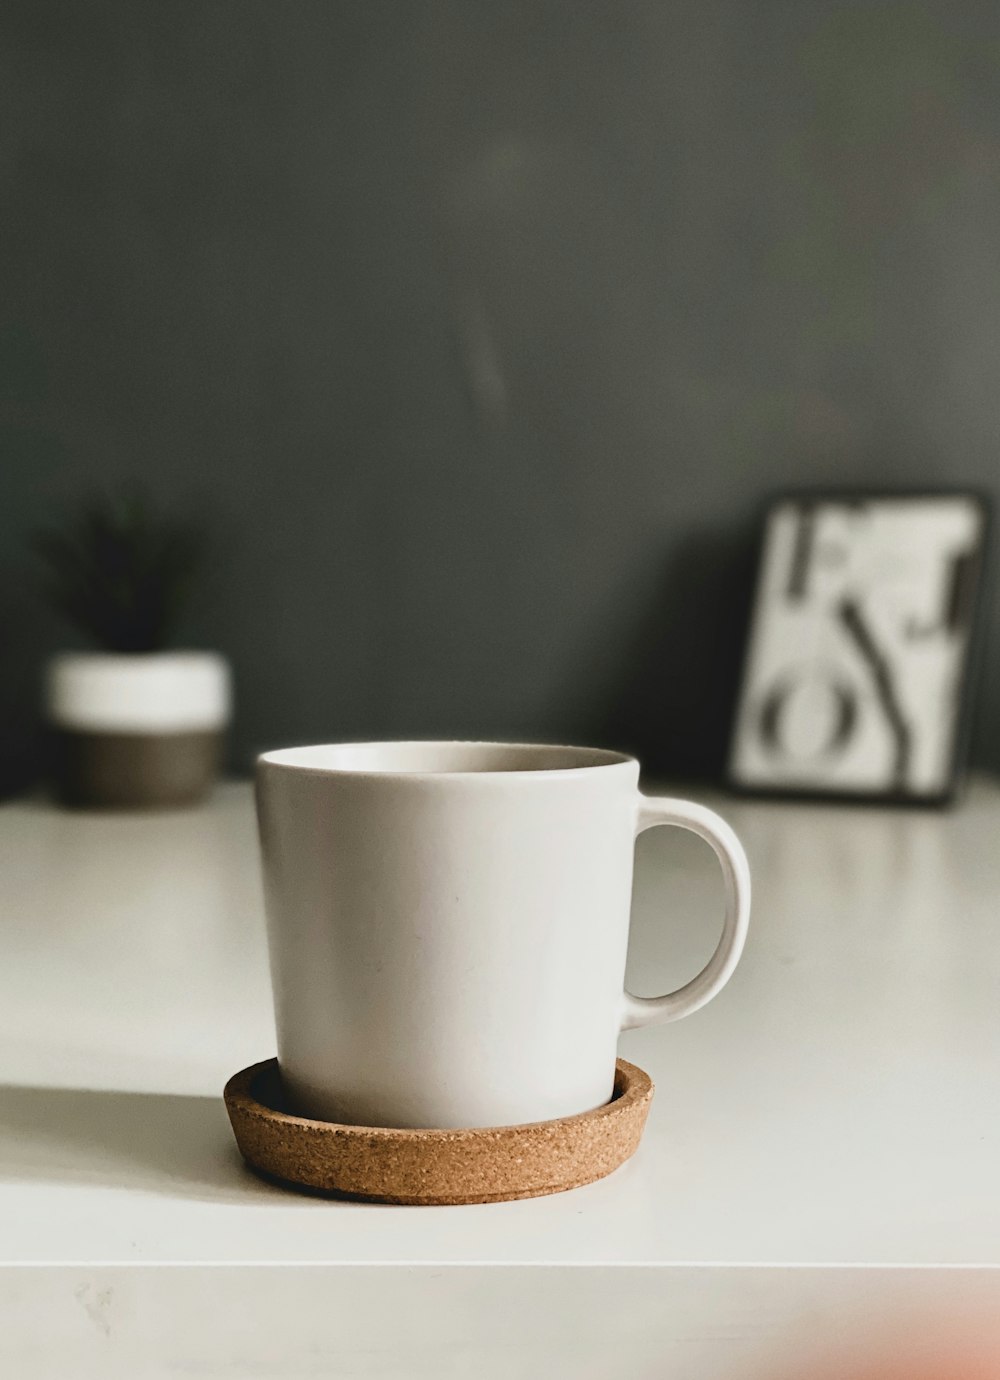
<point>481,1165</point>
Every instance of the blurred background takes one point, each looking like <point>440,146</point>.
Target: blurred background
<point>475,336</point>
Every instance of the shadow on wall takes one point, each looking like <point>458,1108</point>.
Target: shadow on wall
<point>675,706</point>
<point>23,743</point>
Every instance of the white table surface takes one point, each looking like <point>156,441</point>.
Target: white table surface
<point>838,1105</point>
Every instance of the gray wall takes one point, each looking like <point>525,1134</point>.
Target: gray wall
<point>479,330</point>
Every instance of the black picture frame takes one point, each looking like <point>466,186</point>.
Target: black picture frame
<point>968,662</point>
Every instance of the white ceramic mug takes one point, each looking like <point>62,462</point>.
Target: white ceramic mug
<point>448,926</point>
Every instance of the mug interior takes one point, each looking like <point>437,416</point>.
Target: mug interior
<point>437,758</point>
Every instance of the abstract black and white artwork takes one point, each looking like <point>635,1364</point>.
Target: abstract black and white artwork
<point>857,663</point>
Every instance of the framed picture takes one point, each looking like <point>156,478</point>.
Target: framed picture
<point>856,676</point>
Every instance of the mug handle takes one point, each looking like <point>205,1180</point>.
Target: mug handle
<point>654,810</point>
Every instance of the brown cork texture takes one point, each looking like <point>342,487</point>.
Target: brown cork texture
<point>483,1165</point>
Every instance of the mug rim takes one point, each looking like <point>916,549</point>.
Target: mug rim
<point>591,759</point>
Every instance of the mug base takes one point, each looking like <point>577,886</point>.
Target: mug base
<point>433,1167</point>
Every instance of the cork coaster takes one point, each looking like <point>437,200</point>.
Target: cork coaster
<point>483,1165</point>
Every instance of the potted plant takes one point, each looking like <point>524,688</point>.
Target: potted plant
<point>135,724</point>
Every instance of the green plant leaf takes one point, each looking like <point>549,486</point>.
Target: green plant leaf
<point>119,571</point>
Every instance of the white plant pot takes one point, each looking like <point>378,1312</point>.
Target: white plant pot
<point>137,729</point>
